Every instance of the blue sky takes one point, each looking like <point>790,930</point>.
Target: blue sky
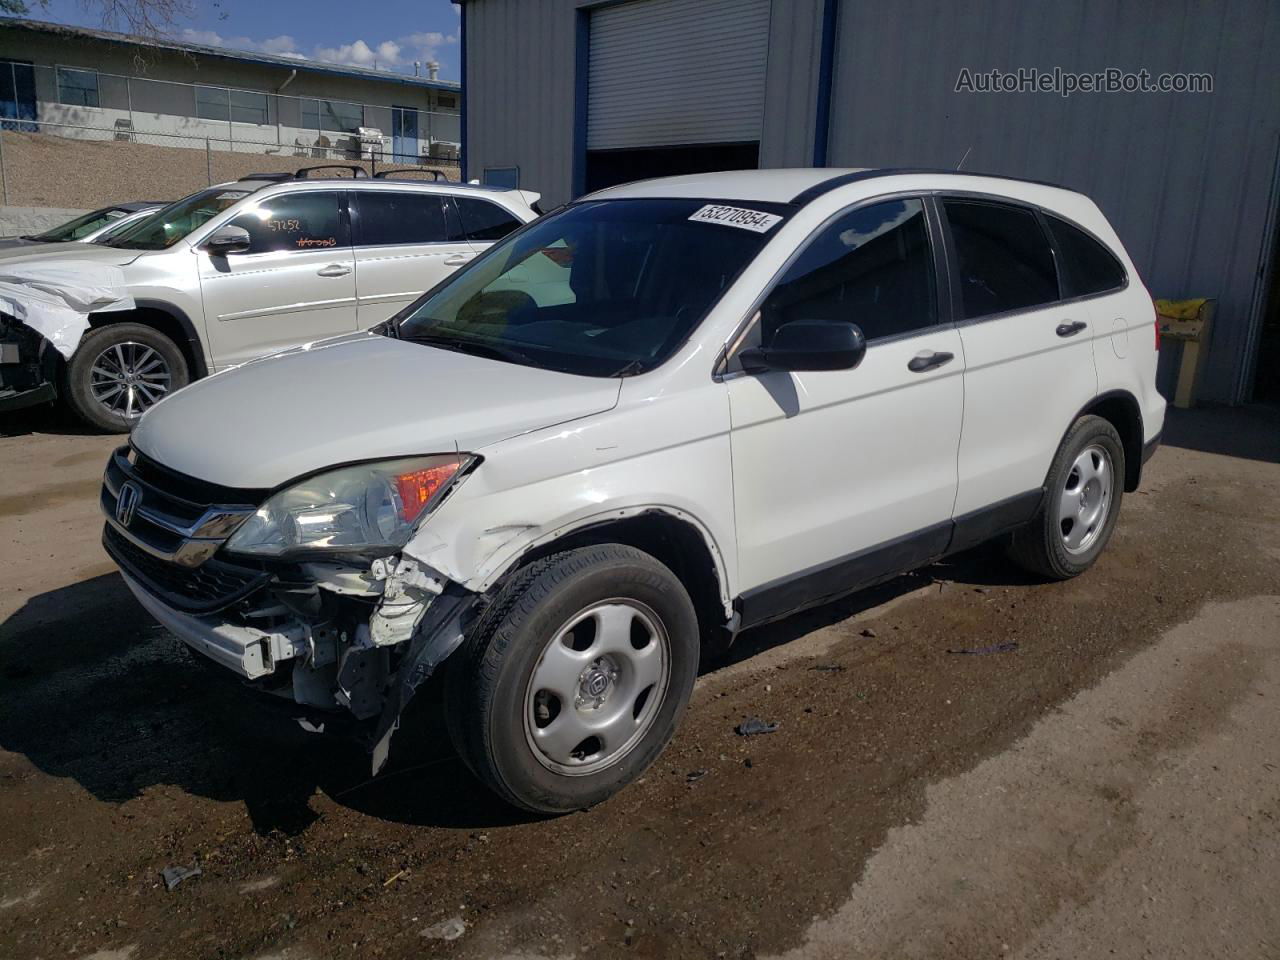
<point>390,34</point>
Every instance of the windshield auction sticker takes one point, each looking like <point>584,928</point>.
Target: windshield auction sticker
<point>740,217</point>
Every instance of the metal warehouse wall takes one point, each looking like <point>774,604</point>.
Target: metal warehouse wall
<point>520,88</point>
<point>1186,179</point>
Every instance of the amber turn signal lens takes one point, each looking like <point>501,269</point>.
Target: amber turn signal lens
<point>417,487</point>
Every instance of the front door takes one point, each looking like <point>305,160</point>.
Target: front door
<point>296,284</point>
<point>849,475</point>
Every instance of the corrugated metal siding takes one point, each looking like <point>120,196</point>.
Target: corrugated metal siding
<point>1185,178</point>
<point>666,72</point>
<point>791,88</point>
<point>520,92</point>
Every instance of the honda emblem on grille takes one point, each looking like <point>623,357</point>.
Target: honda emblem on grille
<point>127,502</point>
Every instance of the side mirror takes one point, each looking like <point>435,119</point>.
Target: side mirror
<point>228,239</point>
<point>808,345</point>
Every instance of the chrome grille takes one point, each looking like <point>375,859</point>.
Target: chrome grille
<point>172,518</point>
<point>213,585</point>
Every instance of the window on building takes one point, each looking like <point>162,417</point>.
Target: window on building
<point>1005,259</point>
<point>1087,266</point>
<point>237,106</point>
<point>872,266</point>
<point>485,221</point>
<point>502,177</point>
<point>17,95</point>
<point>447,100</point>
<point>332,115</point>
<point>299,221</point>
<point>211,104</point>
<point>397,218</point>
<point>77,88</point>
<point>248,107</point>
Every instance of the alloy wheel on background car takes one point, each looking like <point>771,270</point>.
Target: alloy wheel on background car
<point>129,378</point>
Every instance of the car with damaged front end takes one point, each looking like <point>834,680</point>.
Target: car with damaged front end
<point>636,426</point>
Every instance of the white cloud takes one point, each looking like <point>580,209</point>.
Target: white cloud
<point>385,55</point>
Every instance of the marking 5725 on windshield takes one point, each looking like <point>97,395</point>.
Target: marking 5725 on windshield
<point>754,220</point>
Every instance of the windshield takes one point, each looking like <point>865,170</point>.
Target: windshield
<point>81,226</point>
<point>604,288</point>
<point>170,224</point>
<point>117,229</point>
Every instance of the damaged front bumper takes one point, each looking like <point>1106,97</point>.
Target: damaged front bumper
<point>355,635</point>
<point>28,366</point>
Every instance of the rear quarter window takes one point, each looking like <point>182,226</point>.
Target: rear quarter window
<point>485,221</point>
<point>1088,267</point>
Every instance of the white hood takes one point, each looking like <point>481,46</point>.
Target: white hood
<point>358,398</point>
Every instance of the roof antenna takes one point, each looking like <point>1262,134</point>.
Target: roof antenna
<point>963,159</point>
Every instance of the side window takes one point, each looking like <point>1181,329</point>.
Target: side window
<point>298,221</point>
<point>1087,266</point>
<point>391,218</point>
<point>1006,262</point>
<point>873,266</point>
<point>485,221</point>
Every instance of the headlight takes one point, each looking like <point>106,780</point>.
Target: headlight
<point>352,508</point>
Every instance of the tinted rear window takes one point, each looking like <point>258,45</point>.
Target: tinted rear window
<point>398,218</point>
<point>1087,266</point>
<point>1006,262</point>
<point>485,221</point>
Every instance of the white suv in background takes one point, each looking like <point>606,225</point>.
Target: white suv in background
<point>245,269</point>
<point>667,411</point>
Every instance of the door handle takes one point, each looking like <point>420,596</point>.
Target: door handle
<point>457,259</point>
<point>928,360</point>
<point>1070,329</point>
<point>334,270</point>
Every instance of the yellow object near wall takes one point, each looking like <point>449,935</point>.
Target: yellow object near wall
<point>1189,322</point>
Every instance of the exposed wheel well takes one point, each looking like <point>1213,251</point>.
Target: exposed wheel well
<point>165,322</point>
<point>674,542</point>
<point>1123,413</point>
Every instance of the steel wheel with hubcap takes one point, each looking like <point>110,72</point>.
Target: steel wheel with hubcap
<point>121,371</point>
<point>1085,502</point>
<point>1080,505</point>
<point>574,678</point>
<point>595,690</point>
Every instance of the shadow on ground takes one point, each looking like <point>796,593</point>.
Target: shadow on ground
<point>93,690</point>
<point>1251,432</point>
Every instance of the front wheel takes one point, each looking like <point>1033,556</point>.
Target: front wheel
<point>574,679</point>
<point>1081,503</point>
<point>119,372</point>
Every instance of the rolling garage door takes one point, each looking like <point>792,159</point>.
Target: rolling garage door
<point>666,72</point>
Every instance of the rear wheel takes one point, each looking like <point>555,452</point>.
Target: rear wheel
<point>119,372</point>
<point>574,680</point>
<point>1081,503</point>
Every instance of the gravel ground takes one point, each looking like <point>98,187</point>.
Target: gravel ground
<point>42,170</point>
<point>1106,788</point>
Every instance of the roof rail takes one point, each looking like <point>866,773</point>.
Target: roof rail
<point>267,176</point>
<point>400,174</point>
<point>357,172</point>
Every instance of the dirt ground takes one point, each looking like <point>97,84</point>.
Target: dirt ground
<point>1110,787</point>
<point>44,170</point>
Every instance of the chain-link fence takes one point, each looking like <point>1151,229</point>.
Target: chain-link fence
<point>77,139</point>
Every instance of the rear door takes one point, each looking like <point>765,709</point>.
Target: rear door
<point>1029,359</point>
<point>843,476</point>
<point>296,284</point>
<point>405,243</point>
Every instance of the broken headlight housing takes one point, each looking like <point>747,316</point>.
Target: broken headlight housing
<point>356,508</point>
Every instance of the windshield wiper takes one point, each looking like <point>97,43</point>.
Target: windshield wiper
<point>631,368</point>
<point>473,347</point>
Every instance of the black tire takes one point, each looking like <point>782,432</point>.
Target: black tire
<point>488,679</point>
<point>1039,546</point>
<point>77,381</point>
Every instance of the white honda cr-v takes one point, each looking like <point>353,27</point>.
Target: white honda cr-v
<point>668,411</point>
